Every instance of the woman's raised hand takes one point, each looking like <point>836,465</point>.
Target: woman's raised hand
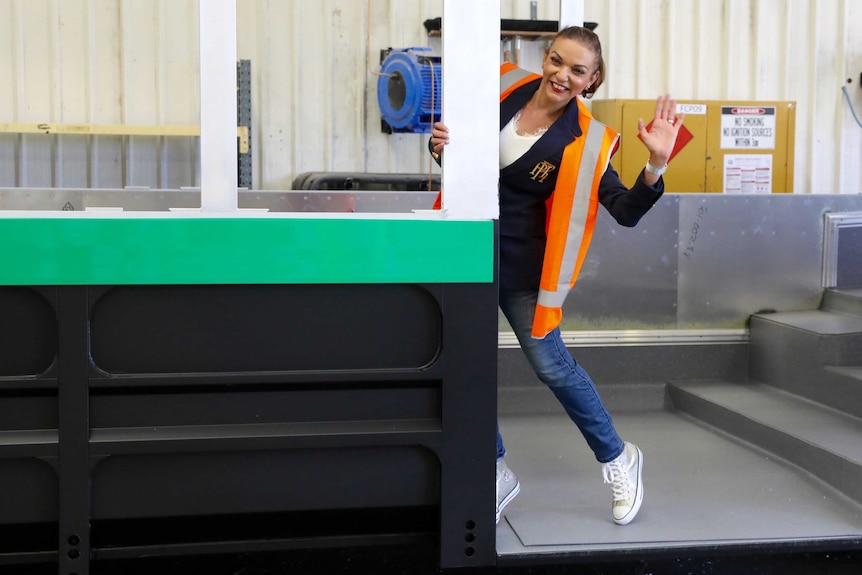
<point>661,137</point>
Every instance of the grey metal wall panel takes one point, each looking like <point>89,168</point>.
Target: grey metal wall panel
<point>629,279</point>
<point>705,261</point>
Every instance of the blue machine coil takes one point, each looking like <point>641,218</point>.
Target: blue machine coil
<point>410,82</point>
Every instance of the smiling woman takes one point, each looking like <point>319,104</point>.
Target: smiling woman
<point>552,152</point>
<point>211,383</point>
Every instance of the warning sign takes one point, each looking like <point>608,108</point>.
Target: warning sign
<point>747,128</point>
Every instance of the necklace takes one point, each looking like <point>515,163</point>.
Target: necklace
<point>535,134</point>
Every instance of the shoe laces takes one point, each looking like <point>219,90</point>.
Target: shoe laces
<point>616,473</point>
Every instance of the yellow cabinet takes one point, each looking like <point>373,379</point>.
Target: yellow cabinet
<point>724,146</point>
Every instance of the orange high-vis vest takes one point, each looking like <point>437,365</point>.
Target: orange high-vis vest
<point>571,209</point>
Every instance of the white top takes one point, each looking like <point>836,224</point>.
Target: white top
<point>512,144</point>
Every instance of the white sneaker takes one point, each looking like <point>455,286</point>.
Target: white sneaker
<point>507,486</point>
<point>625,476</point>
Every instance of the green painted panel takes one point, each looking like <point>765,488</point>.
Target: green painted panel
<point>227,250</point>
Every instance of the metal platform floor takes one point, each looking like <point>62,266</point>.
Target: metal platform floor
<point>704,492</point>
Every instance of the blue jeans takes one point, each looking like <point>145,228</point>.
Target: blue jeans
<point>556,368</point>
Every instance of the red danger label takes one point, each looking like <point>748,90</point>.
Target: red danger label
<point>747,111</point>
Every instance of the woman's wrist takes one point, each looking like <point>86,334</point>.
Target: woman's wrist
<point>656,169</point>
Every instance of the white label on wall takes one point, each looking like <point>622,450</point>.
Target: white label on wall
<point>747,174</point>
<point>748,127</point>
<point>691,109</point>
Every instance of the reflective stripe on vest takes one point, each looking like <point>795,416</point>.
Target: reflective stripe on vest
<point>571,218</point>
<point>512,78</point>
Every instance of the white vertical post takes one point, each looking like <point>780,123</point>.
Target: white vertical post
<point>471,108</point>
<point>571,13</point>
<point>218,105</point>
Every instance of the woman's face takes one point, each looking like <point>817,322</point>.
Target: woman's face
<point>568,69</point>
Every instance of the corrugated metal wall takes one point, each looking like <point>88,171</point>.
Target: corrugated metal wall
<point>98,62</point>
<point>314,88</point>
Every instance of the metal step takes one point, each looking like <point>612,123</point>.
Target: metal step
<point>844,300</point>
<point>816,322</point>
<point>814,354</point>
<point>853,372</point>
<point>819,439</point>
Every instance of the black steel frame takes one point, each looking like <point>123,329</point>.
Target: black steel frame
<point>103,432</point>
